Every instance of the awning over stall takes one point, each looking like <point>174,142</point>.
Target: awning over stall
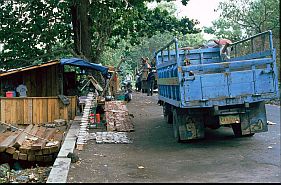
<point>83,63</point>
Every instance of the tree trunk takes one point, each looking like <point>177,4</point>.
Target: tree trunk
<point>81,28</point>
<point>85,29</point>
<point>76,25</point>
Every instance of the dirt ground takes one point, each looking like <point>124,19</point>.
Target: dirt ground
<point>155,156</point>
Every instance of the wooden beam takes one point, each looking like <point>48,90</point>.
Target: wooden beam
<point>9,141</point>
<point>39,157</point>
<point>23,156</point>
<point>48,158</point>
<point>10,150</point>
<point>22,136</point>
<point>16,155</point>
<point>39,143</point>
<point>26,145</point>
<point>31,158</point>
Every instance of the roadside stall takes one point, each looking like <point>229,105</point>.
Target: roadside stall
<point>36,104</point>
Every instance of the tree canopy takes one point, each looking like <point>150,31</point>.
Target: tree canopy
<point>146,48</point>
<point>37,30</point>
<point>242,18</point>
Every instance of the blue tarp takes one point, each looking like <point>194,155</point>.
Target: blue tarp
<point>83,63</point>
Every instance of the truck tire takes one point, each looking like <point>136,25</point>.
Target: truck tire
<point>176,126</point>
<point>249,135</point>
<point>238,131</point>
<point>168,115</point>
<point>215,126</point>
<point>169,118</point>
<point>236,127</point>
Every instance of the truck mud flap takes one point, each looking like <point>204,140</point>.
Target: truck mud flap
<point>194,128</point>
<point>187,127</point>
<point>254,120</point>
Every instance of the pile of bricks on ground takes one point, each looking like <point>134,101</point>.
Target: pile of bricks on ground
<point>117,117</point>
<point>110,137</point>
<point>34,143</point>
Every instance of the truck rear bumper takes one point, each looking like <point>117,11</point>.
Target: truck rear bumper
<point>251,117</point>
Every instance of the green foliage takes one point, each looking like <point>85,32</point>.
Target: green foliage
<point>146,48</point>
<point>170,7</point>
<point>38,30</point>
<point>151,38</point>
<point>224,29</point>
<point>30,29</point>
<point>141,22</point>
<point>243,18</point>
<point>255,16</point>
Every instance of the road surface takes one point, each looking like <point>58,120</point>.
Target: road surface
<point>155,156</point>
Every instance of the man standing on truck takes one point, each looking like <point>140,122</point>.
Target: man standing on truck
<point>224,49</point>
<point>150,82</point>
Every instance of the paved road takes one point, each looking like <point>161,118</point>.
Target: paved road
<point>220,157</point>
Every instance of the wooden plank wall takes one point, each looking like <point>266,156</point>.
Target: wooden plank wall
<point>36,110</point>
<point>40,82</point>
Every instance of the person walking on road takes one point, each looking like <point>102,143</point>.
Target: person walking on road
<point>150,82</point>
<point>138,82</point>
<point>128,77</point>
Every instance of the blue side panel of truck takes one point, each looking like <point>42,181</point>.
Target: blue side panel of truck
<point>208,81</point>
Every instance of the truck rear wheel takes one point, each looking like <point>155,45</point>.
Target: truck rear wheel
<point>215,126</point>
<point>169,118</point>
<point>168,115</point>
<point>249,135</point>
<point>176,126</point>
<point>236,127</point>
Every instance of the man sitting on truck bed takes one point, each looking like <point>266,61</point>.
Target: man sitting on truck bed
<point>224,49</point>
<point>223,44</point>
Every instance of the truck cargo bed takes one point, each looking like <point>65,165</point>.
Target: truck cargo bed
<point>200,78</point>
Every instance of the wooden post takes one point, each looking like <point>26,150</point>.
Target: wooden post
<point>60,79</point>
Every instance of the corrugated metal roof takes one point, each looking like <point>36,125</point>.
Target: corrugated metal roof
<point>12,71</point>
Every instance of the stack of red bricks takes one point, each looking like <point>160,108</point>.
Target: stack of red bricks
<point>117,117</point>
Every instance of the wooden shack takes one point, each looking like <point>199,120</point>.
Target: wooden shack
<point>44,82</point>
<point>41,80</point>
<point>50,91</point>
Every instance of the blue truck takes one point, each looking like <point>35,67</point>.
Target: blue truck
<point>199,88</point>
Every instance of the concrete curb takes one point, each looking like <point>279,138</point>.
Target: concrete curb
<point>59,171</point>
<point>62,163</point>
